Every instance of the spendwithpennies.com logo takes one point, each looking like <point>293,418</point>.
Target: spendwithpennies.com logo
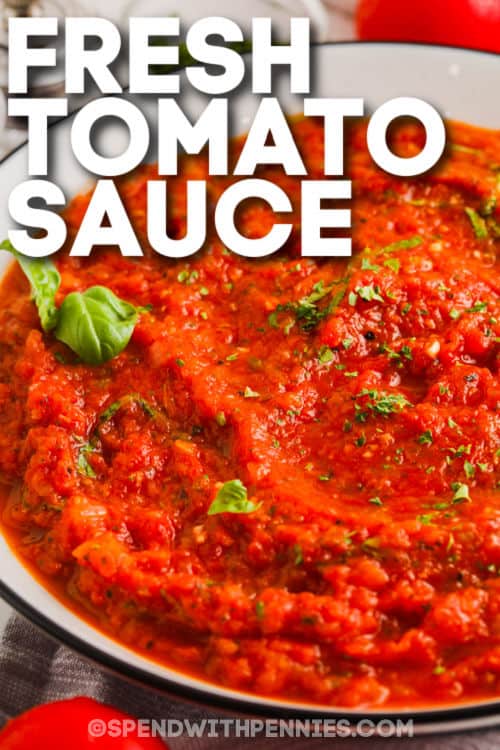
<point>249,728</point>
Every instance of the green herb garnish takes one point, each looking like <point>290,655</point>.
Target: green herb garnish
<point>370,293</point>
<point>405,352</point>
<point>469,469</point>
<point>393,264</point>
<point>44,280</point>
<point>131,398</point>
<point>325,355</point>
<point>82,463</point>
<point>489,205</point>
<point>425,438</point>
<point>220,418</point>
<point>298,556</point>
<point>478,307</point>
<point>307,312</point>
<point>366,265</point>
<point>461,492</point>
<point>232,498</point>
<point>478,223</point>
<point>402,245</point>
<point>249,393</point>
<point>95,324</point>
<point>381,403</point>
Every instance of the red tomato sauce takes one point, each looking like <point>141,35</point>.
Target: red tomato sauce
<point>357,401</point>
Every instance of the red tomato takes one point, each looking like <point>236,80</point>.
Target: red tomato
<point>464,23</point>
<point>79,724</point>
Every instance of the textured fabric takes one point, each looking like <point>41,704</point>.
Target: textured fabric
<point>35,669</point>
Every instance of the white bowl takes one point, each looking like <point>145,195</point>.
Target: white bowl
<point>461,84</point>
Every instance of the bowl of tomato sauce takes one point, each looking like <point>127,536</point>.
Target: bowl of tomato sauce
<point>281,497</point>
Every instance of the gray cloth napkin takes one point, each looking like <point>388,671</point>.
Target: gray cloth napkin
<point>35,669</point>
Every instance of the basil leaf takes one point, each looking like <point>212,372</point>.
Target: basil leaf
<point>95,324</point>
<point>44,279</point>
<point>232,498</point>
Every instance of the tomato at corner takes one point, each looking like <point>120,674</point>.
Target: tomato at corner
<point>462,23</point>
<point>79,724</point>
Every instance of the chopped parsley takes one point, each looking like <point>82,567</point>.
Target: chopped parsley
<point>307,312</point>
<point>272,319</point>
<point>461,492</point>
<point>489,205</point>
<point>325,355</point>
<point>405,352</point>
<point>367,266</point>
<point>298,556</point>
<point>381,403</point>
<point>370,293</point>
<point>462,450</point>
<point>187,277</point>
<point>249,393</point>
<point>478,307</point>
<point>393,264</point>
<point>478,223</point>
<point>425,438</point>
<point>402,245</point>
<point>82,463</point>
<point>469,469</point>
